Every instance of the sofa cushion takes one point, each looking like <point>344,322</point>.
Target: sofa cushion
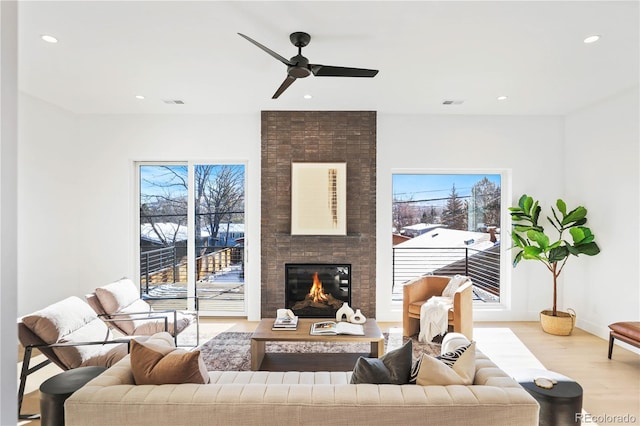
<point>452,368</point>
<point>630,329</point>
<point>155,364</point>
<point>415,307</point>
<point>117,295</point>
<point>72,320</point>
<point>393,367</point>
<point>76,356</point>
<point>132,316</point>
<point>122,297</point>
<point>143,328</point>
<point>59,319</point>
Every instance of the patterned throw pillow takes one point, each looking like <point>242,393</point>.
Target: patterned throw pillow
<point>455,367</point>
<point>450,358</point>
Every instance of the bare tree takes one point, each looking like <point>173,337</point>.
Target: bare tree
<point>218,191</point>
<point>403,214</point>
<point>166,204</point>
<point>222,198</point>
<point>486,201</point>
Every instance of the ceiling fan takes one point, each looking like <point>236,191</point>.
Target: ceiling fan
<point>299,66</point>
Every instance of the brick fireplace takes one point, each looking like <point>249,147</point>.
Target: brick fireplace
<point>318,136</point>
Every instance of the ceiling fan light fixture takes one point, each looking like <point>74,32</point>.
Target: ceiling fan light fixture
<point>307,96</point>
<point>49,38</point>
<point>502,98</point>
<point>591,39</point>
<point>139,97</point>
<point>299,66</point>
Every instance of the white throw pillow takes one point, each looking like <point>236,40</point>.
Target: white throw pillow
<point>433,371</point>
<point>453,285</point>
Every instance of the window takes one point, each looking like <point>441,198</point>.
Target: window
<point>192,235</point>
<point>447,224</point>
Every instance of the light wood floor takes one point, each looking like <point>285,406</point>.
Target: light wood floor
<point>611,387</point>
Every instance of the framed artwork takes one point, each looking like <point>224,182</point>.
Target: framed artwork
<point>318,198</point>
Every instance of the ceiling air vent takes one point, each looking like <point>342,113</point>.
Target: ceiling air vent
<point>452,102</point>
<point>173,101</point>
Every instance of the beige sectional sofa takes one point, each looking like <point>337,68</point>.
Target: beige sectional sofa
<point>300,398</point>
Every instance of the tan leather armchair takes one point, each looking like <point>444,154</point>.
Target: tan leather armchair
<point>419,290</point>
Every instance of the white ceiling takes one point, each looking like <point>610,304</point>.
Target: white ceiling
<point>426,52</point>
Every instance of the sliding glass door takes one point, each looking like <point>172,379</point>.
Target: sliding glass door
<point>192,235</point>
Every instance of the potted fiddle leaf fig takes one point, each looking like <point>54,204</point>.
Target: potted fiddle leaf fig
<point>532,242</point>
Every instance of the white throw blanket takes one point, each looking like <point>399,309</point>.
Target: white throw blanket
<point>434,315</point>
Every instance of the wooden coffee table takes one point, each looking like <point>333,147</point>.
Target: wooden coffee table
<point>310,361</point>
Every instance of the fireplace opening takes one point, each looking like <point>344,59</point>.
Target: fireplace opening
<point>317,290</point>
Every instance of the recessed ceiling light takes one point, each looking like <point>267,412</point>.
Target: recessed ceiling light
<point>139,97</point>
<point>501,98</point>
<point>307,96</point>
<point>48,38</point>
<point>592,39</point>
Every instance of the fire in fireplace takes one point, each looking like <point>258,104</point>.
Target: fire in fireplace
<point>317,290</point>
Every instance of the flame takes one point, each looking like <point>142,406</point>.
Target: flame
<point>317,293</point>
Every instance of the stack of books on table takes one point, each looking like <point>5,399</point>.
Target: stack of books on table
<point>285,323</point>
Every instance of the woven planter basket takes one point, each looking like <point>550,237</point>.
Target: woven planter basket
<point>560,325</point>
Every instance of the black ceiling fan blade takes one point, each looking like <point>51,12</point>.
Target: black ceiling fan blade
<point>329,71</point>
<point>286,83</point>
<point>266,49</point>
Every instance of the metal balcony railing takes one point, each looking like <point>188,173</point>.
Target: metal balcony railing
<point>162,266</point>
<point>161,263</point>
<point>482,266</point>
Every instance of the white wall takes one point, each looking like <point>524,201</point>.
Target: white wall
<point>48,205</point>
<point>76,186</point>
<point>602,173</point>
<point>110,146</point>
<point>91,158</point>
<point>523,145</point>
<point>8,208</point>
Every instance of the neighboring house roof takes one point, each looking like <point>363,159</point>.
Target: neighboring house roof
<point>422,226</point>
<point>169,229</point>
<point>435,251</point>
<point>449,238</point>
<point>397,238</point>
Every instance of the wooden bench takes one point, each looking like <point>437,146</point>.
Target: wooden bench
<point>628,332</point>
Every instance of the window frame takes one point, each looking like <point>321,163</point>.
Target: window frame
<point>505,302</point>
<point>191,260</point>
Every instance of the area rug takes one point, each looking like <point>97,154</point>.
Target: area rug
<point>231,351</point>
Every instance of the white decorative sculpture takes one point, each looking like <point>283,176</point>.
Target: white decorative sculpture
<point>345,311</point>
<point>358,318</point>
